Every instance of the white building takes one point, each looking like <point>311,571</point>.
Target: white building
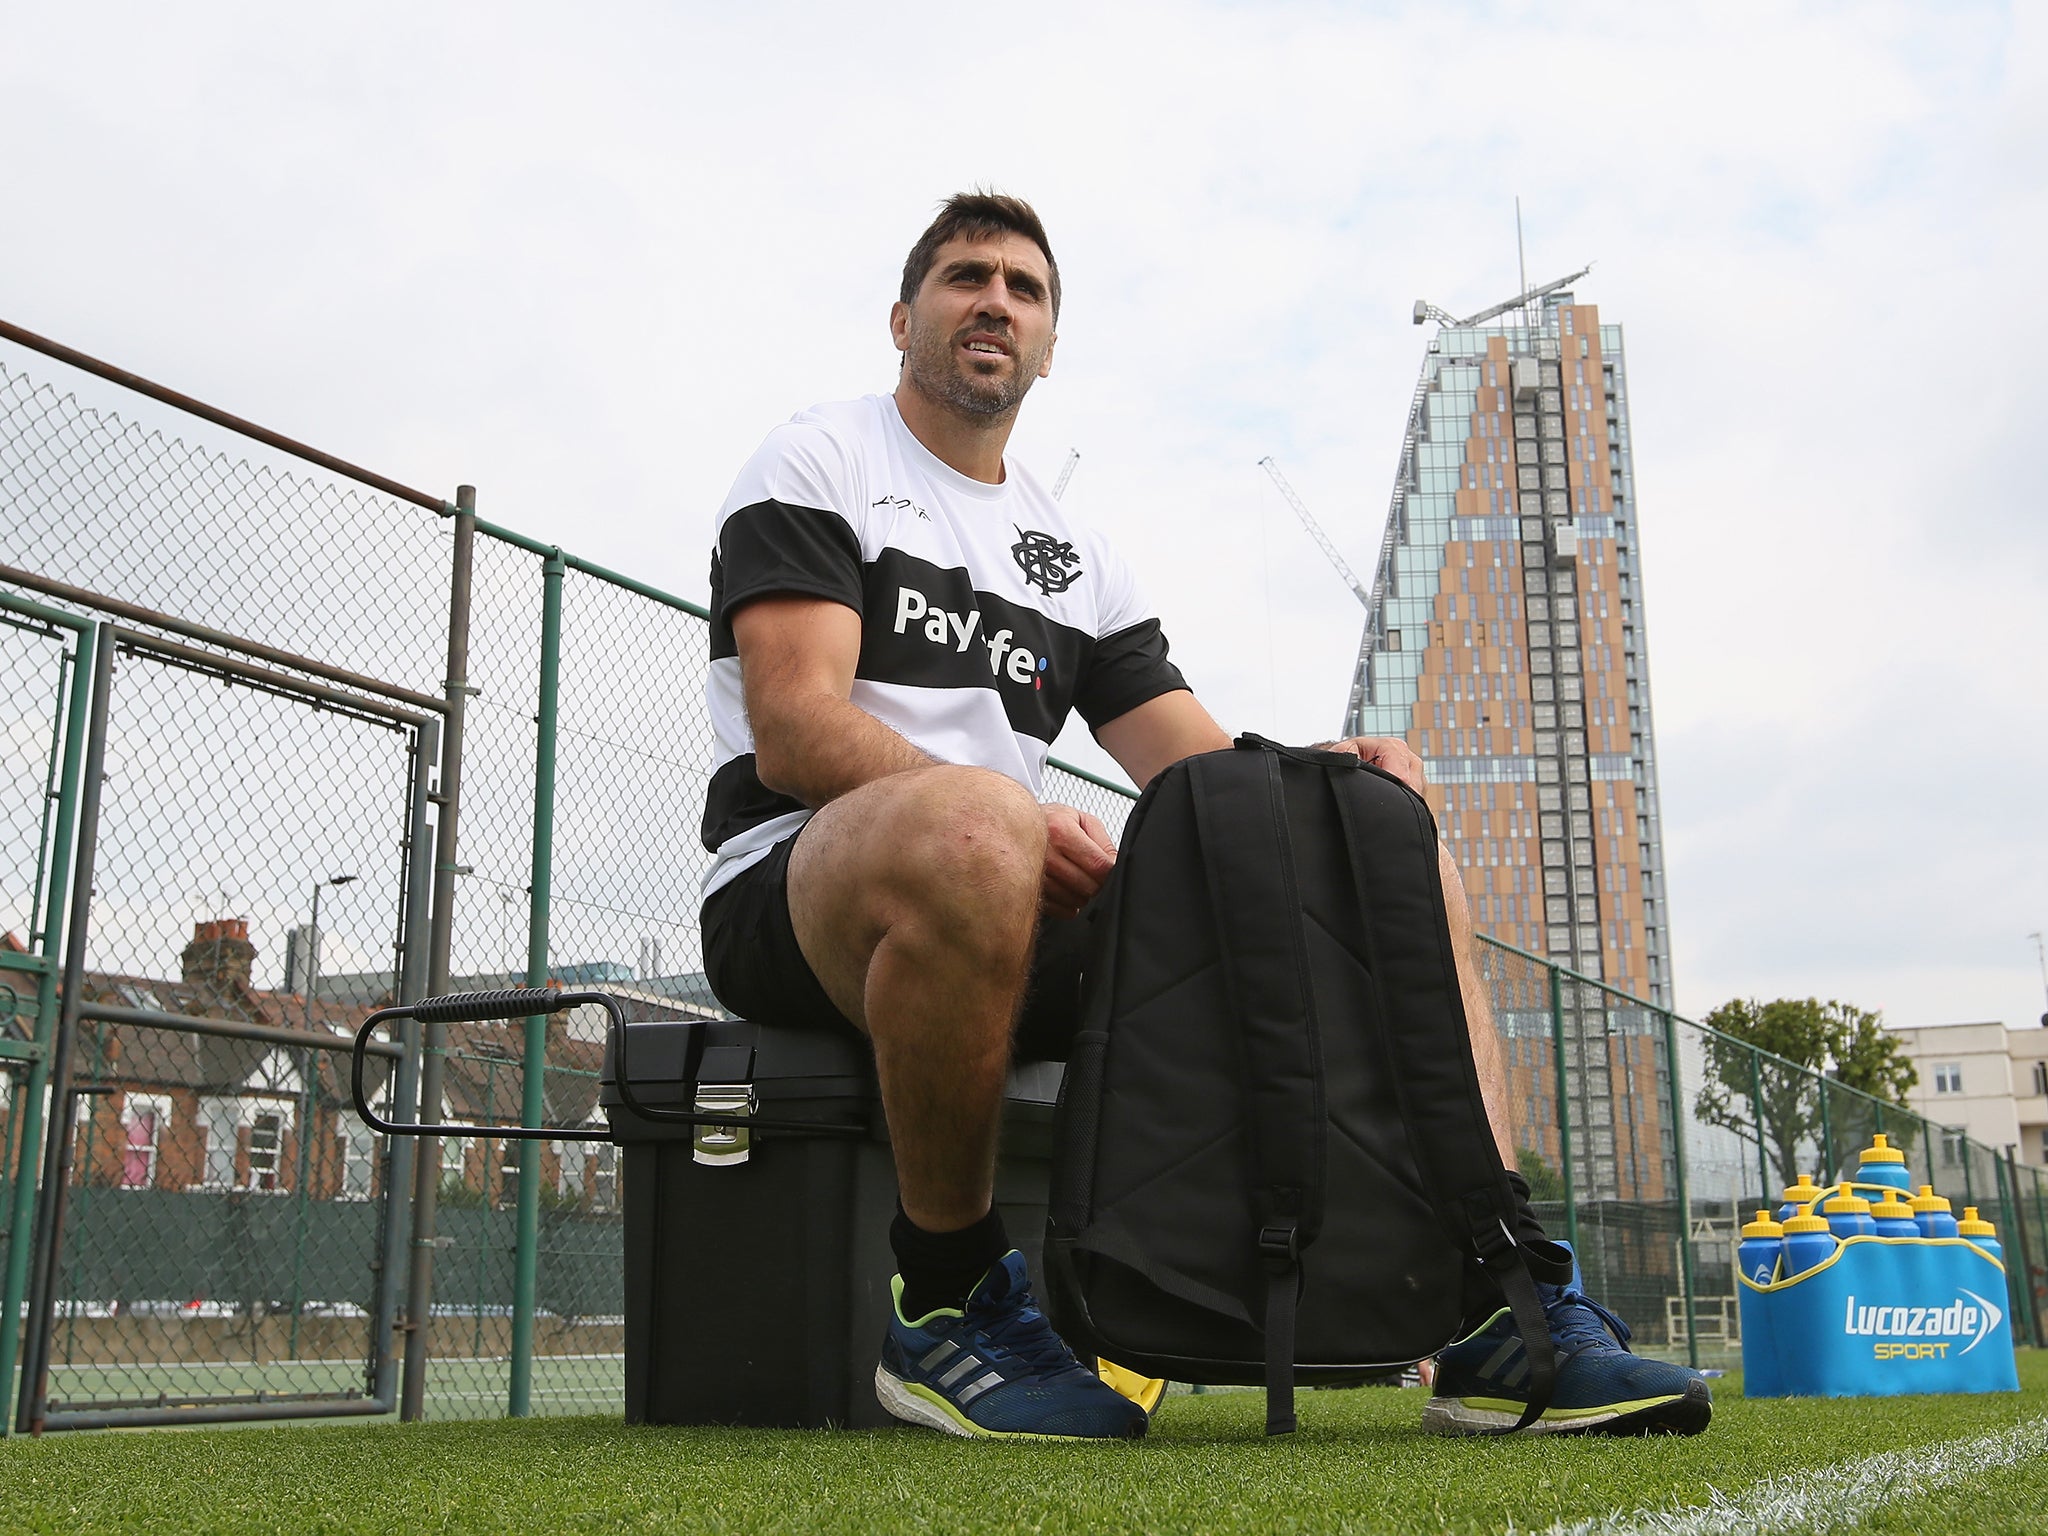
<point>1985,1079</point>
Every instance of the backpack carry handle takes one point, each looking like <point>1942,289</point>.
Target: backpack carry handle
<point>1315,757</point>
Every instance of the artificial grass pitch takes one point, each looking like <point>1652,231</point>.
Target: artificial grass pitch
<point>1358,1464</point>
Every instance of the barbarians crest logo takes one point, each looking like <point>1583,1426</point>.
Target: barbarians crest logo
<point>1048,564</point>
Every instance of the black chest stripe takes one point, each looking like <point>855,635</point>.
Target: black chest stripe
<point>926,627</point>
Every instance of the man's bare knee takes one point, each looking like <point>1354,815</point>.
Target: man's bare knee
<point>947,860</point>
<point>974,841</point>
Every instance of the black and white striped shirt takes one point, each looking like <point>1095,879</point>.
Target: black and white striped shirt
<point>987,612</point>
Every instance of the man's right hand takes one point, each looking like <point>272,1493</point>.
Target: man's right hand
<point>1079,854</point>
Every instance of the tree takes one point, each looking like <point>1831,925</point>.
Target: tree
<point>1544,1181</point>
<point>1838,1046</point>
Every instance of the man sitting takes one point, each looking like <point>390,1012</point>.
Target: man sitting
<point>901,620</point>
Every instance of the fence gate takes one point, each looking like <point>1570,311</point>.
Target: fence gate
<point>217,1237</point>
<point>45,671</point>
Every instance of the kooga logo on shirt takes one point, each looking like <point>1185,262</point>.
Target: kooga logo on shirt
<point>959,630</point>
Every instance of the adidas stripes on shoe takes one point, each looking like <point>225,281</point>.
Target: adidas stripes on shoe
<point>1602,1388</point>
<point>995,1370</point>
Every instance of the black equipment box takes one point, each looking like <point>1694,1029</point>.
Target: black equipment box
<point>758,1260</point>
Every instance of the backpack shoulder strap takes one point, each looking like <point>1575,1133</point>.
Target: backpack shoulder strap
<point>1240,817</point>
<point>1429,1042</point>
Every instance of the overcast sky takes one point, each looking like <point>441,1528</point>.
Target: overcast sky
<point>584,257</point>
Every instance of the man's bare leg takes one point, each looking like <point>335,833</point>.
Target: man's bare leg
<point>1486,1048</point>
<point>915,900</point>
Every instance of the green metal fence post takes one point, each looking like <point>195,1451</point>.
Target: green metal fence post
<point>1827,1138</point>
<point>2018,1263</point>
<point>2015,1257</point>
<point>1692,1332</point>
<point>29,1102</point>
<point>2040,1214</point>
<point>1564,1112</point>
<point>533,1109</point>
<point>481,1285</point>
<point>1756,1100</point>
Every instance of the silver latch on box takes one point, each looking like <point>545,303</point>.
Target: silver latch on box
<point>721,1146</point>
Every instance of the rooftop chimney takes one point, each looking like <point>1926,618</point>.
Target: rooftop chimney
<point>220,956</point>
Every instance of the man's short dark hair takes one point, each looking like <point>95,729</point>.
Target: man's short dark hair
<point>978,215</point>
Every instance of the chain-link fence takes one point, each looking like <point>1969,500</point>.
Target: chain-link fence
<point>225,1232</point>
<point>278,713</point>
<point>1649,1139</point>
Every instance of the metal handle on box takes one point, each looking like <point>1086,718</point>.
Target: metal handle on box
<point>525,1002</point>
<point>478,1007</point>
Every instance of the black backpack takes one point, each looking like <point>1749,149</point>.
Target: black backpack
<point>1273,1163</point>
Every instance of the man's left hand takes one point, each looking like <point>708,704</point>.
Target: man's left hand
<point>1079,854</point>
<point>1389,754</point>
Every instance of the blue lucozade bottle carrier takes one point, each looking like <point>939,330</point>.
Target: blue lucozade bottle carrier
<point>1863,1312</point>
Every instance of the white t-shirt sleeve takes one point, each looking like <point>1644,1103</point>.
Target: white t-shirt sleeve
<point>792,522</point>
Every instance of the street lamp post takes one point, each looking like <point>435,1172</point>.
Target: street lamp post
<point>303,1172</point>
<point>313,942</point>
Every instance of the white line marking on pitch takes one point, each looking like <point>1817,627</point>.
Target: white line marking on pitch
<point>1836,1496</point>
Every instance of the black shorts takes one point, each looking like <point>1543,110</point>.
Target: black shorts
<point>758,971</point>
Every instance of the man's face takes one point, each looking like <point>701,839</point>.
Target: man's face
<point>980,329</point>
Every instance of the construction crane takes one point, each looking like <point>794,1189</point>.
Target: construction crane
<point>1066,472</point>
<point>1315,531</point>
<point>1424,310</point>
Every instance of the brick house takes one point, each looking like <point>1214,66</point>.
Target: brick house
<point>190,1111</point>
<point>185,1111</point>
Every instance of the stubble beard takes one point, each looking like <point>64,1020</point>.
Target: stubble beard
<point>980,398</point>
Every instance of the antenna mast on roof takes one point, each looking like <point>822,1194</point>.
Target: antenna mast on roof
<point>1521,262</point>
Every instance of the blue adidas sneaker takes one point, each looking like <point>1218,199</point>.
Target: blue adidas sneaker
<point>996,1370</point>
<point>1602,1388</point>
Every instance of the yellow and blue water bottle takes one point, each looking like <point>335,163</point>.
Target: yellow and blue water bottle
<point>1763,1244</point>
<point>1808,1243</point>
<point>1883,1163</point>
<point>1892,1217</point>
<point>1800,1196</point>
<point>1932,1215</point>
<point>1980,1232</point>
<point>1848,1214</point>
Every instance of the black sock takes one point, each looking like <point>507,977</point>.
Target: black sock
<point>940,1268</point>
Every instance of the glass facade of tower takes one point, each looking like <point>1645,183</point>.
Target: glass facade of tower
<point>1505,640</point>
